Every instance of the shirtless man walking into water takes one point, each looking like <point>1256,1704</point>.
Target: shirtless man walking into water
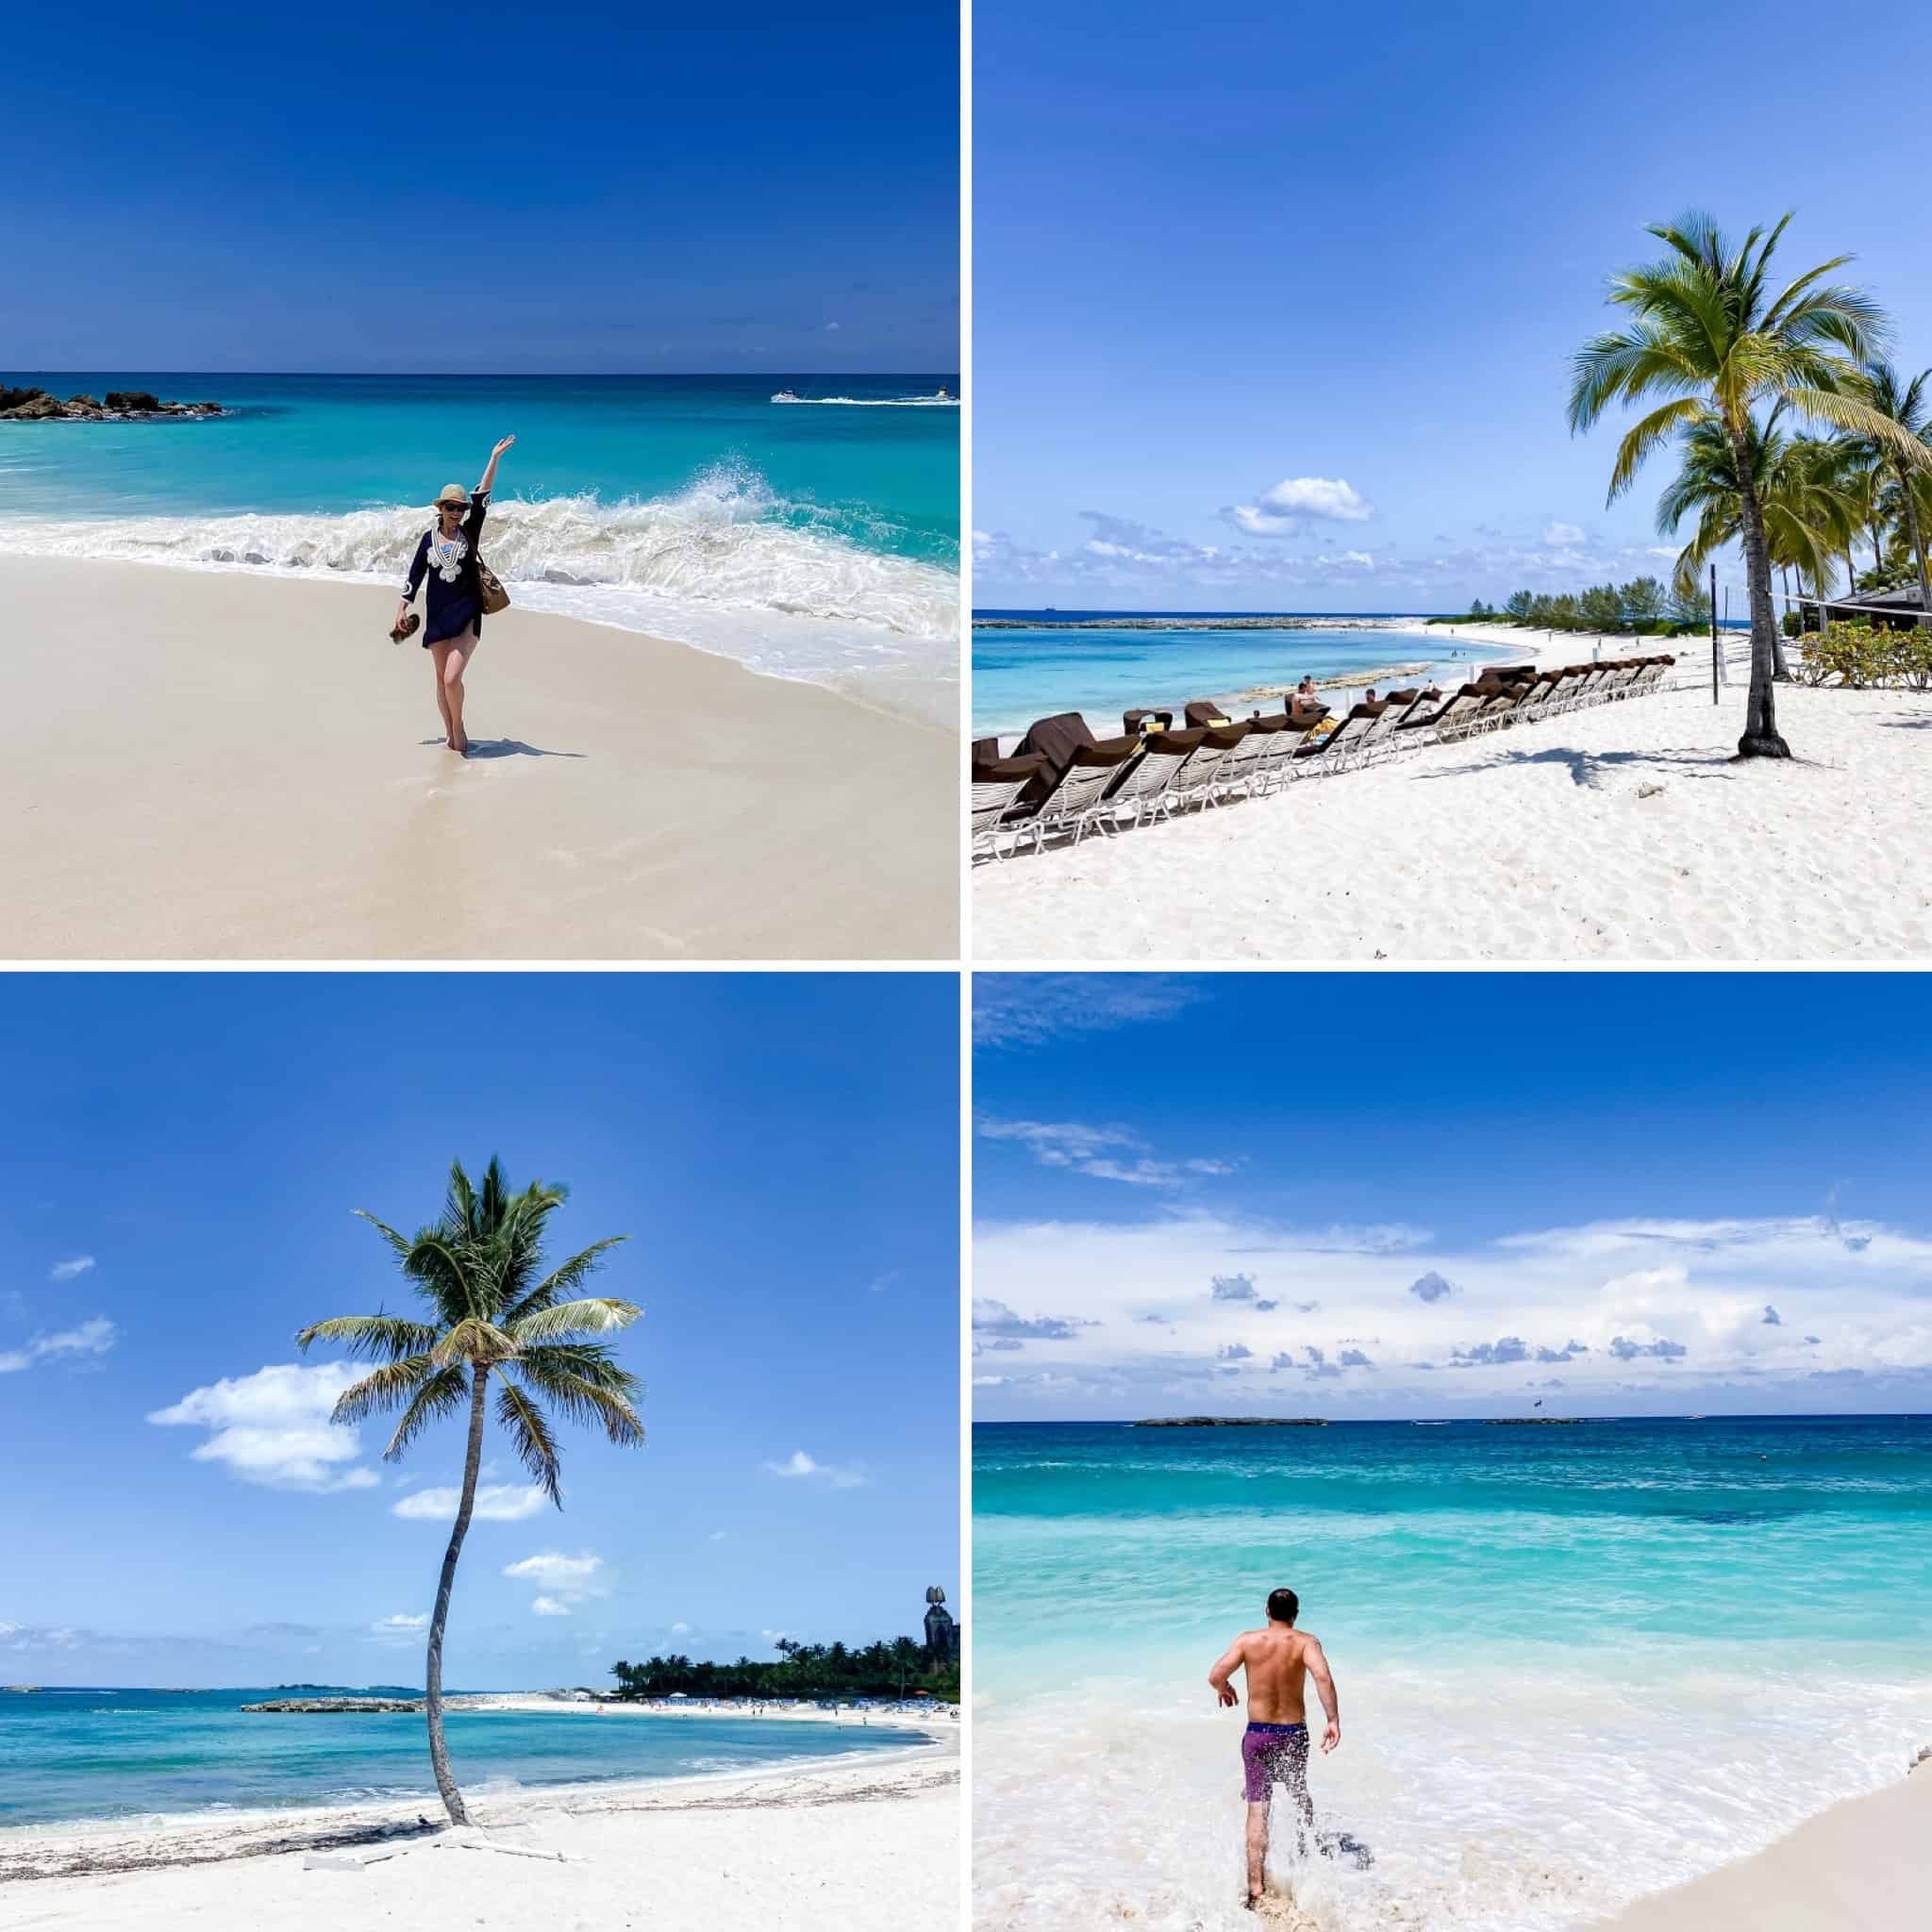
<point>1279,1660</point>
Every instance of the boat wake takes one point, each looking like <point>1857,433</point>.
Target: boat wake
<point>871,402</point>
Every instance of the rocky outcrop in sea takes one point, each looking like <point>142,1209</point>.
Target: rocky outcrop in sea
<point>117,406</point>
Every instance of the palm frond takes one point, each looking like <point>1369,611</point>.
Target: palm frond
<point>561,1280</point>
<point>460,1203</point>
<point>1640,360</point>
<point>570,1320</point>
<point>1658,426</point>
<point>586,1386</point>
<point>530,1436</point>
<point>1860,419</point>
<point>400,1242</point>
<point>382,1390</point>
<point>443,1393</point>
<point>370,1338</point>
<point>432,1262</point>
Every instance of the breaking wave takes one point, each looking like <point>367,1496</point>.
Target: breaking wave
<point>792,590</point>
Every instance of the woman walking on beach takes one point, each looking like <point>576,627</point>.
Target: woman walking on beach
<point>447,555</point>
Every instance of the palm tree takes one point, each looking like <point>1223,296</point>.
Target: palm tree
<point>1904,404</point>
<point>1809,497</point>
<point>494,1313</point>
<point>1709,336</point>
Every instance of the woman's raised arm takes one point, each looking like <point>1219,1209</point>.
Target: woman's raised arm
<point>489,469</point>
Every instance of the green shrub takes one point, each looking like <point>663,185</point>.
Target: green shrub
<point>1860,657</point>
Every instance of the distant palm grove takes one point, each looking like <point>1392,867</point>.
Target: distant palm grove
<point>900,1667</point>
<point>1643,607</point>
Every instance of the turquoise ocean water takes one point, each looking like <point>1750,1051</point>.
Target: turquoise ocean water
<point>1021,674</point>
<point>816,540</point>
<point>1575,1664</point>
<point>130,1755</point>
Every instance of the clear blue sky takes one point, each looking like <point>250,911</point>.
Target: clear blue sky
<point>1215,255</point>
<point>1414,1194</point>
<point>487,188</point>
<point>181,1157</point>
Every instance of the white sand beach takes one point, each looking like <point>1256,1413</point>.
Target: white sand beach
<point>1622,832</point>
<point>218,765</point>
<point>872,1845</point>
<point>1862,1866</point>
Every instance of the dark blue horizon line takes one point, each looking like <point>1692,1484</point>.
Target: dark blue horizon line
<point>1361,1421</point>
<point>516,375</point>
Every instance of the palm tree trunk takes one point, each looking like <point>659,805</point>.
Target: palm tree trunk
<point>432,1682</point>
<point>1918,536</point>
<point>1760,739</point>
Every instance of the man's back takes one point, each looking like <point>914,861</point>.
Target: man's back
<point>1277,1661</point>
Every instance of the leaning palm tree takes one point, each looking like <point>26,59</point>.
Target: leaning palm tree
<point>494,1313</point>
<point>1905,404</point>
<point>1709,335</point>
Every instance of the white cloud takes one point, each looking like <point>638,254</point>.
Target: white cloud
<point>1075,1144</point>
<point>93,1337</point>
<point>71,1270</point>
<point>400,1626</point>
<point>496,1503</point>
<point>680,1629</point>
<point>273,1427</point>
<point>717,1536</point>
<point>1282,510</point>
<point>1638,1313</point>
<point>841,1476</point>
<point>1015,1009</point>
<point>832,326</point>
<point>1562,536</point>
<point>564,1582</point>
<point>556,1571</point>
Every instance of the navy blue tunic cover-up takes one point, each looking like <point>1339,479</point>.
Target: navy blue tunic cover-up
<point>456,597</point>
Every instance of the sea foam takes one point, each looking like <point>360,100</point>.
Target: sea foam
<point>1504,1797</point>
<point>789,588</point>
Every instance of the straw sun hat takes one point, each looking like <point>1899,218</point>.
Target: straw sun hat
<point>453,492</point>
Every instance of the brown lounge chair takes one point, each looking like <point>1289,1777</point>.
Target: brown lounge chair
<point>1089,775</point>
<point>1274,766</point>
<point>1261,743</point>
<point>1337,749</point>
<point>1202,712</point>
<point>1199,777</point>
<point>1149,785</point>
<point>1455,717</point>
<point>997,786</point>
<point>1132,720</point>
<point>1054,740</point>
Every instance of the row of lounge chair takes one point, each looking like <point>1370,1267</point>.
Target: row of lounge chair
<point>1060,779</point>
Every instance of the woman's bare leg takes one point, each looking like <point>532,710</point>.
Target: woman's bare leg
<point>455,660</point>
<point>437,653</point>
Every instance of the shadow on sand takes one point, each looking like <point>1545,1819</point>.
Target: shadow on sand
<point>1590,768</point>
<point>508,748</point>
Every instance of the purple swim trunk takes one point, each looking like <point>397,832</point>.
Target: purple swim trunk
<point>1274,1755</point>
